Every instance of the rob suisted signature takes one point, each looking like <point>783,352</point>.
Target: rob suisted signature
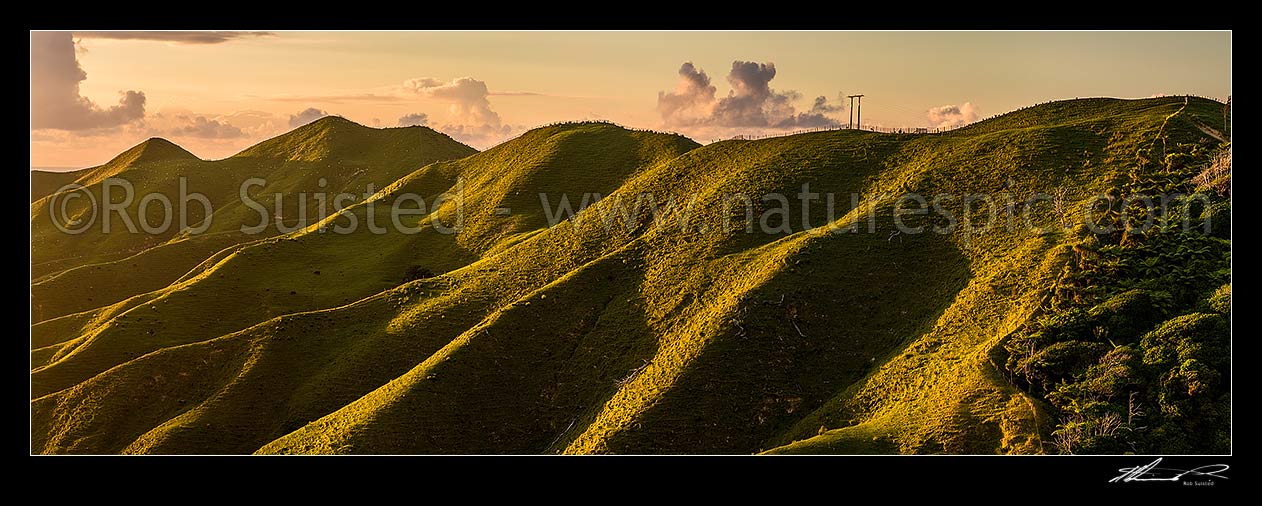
<point>1151,472</point>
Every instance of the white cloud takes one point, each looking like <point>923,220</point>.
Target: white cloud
<point>751,103</point>
<point>306,116</point>
<point>414,119</point>
<point>951,116</point>
<point>55,99</point>
<point>204,128</point>
<point>470,118</point>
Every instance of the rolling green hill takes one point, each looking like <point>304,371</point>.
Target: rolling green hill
<point>613,333</point>
<point>329,155</point>
<point>45,182</point>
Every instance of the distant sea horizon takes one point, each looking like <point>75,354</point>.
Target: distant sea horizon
<point>55,169</point>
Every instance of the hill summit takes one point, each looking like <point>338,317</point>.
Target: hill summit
<point>329,153</point>
<point>155,149</point>
<point>337,138</point>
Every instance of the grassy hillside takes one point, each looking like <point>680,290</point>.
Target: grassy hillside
<point>329,155</point>
<point>45,182</point>
<point>311,269</point>
<point>951,390</point>
<point>155,151</point>
<point>602,335</point>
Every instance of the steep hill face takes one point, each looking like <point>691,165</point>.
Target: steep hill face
<point>153,152</point>
<point>93,269</point>
<point>616,330</point>
<point>314,269</point>
<point>44,183</point>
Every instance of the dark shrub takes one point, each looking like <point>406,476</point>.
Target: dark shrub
<point>416,272</point>
<point>1127,315</point>
<point>1060,361</point>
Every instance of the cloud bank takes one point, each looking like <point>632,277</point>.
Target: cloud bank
<point>203,128</point>
<point>470,117</point>
<point>467,98</point>
<point>414,119</point>
<point>306,116</point>
<point>55,99</point>
<point>209,136</point>
<point>178,37</point>
<point>751,102</point>
<point>952,116</point>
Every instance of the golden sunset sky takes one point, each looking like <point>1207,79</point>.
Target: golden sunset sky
<point>94,94</point>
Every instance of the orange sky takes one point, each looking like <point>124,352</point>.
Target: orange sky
<point>217,93</point>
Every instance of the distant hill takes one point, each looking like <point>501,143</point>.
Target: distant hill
<point>44,182</point>
<point>153,152</point>
<point>73,273</point>
<point>518,335</point>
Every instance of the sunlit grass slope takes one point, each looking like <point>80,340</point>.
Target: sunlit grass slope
<point>77,272</point>
<point>947,392</point>
<point>311,270</point>
<point>643,337</point>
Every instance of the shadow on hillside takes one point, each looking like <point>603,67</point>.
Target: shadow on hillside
<point>841,307</point>
<point>524,381</point>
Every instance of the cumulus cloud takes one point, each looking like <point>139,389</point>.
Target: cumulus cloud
<point>213,137</point>
<point>55,99</point>
<point>203,128</point>
<point>470,117</point>
<point>256,124</point>
<point>479,136</point>
<point>178,37</point>
<point>414,119</point>
<point>692,101</point>
<point>951,116</point>
<point>818,115</point>
<point>306,116</point>
<point>467,98</point>
<point>751,102</point>
<point>821,105</point>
